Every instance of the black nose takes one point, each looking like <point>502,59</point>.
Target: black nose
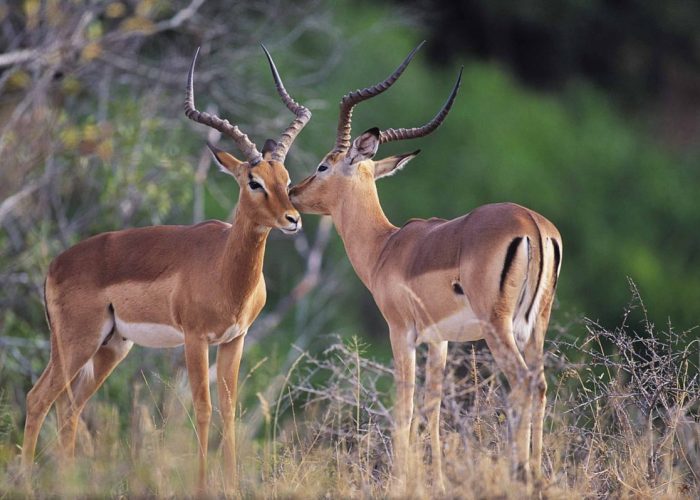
<point>291,219</point>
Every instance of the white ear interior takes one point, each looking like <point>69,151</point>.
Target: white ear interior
<point>389,166</point>
<point>363,147</point>
<point>403,162</point>
<point>220,165</point>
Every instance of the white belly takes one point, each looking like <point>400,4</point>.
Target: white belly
<point>150,334</point>
<point>462,326</point>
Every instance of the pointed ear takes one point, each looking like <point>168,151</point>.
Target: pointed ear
<point>364,147</point>
<point>391,165</point>
<point>268,148</point>
<point>227,163</point>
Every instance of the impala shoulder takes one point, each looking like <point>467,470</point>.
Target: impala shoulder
<point>415,230</point>
<point>209,230</point>
<point>210,225</point>
<point>416,222</point>
<point>501,209</point>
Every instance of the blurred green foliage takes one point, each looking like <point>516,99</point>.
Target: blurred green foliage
<point>636,49</point>
<point>624,203</point>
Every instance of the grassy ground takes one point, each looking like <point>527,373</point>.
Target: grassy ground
<point>622,422</point>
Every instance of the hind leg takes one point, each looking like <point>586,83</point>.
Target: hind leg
<point>71,349</point>
<point>52,382</point>
<point>91,376</point>
<point>39,400</point>
<point>534,357</point>
<point>502,345</point>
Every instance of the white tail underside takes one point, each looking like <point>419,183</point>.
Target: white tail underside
<point>523,325</point>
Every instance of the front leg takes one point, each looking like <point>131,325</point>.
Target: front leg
<point>197,361</point>
<point>404,352</point>
<point>228,362</point>
<point>434,375</point>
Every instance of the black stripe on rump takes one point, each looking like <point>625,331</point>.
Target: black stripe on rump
<point>510,255</point>
<point>557,259</point>
<point>46,306</point>
<point>114,326</point>
<point>539,276</point>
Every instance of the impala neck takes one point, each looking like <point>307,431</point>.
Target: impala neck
<point>243,257</point>
<point>363,227</point>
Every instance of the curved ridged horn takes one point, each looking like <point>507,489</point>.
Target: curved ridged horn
<point>400,134</point>
<point>303,115</point>
<point>349,101</point>
<point>246,146</point>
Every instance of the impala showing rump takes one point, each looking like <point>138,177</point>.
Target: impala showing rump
<point>489,274</point>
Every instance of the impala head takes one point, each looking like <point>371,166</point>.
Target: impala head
<point>350,166</point>
<point>262,177</point>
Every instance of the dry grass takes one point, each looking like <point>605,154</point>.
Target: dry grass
<point>622,422</point>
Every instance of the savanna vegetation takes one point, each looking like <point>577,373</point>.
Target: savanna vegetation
<point>93,138</point>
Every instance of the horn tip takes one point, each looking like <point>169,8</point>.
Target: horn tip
<point>418,47</point>
<point>459,77</point>
<point>194,58</point>
<point>273,68</point>
<point>267,52</point>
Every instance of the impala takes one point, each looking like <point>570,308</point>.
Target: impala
<point>164,286</point>
<point>490,274</point>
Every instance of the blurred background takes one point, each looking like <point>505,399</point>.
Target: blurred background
<point>587,112</point>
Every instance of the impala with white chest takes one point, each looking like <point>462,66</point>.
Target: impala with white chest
<point>490,274</point>
<point>164,286</point>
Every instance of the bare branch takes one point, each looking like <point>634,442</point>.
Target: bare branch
<point>20,56</point>
<point>180,17</point>
<point>13,201</point>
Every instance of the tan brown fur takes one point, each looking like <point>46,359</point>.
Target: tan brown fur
<point>429,271</point>
<point>168,285</point>
<point>199,280</point>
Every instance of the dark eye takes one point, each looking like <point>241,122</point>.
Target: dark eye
<point>322,168</point>
<point>254,185</point>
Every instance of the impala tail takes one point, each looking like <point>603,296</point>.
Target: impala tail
<point>537,259</point>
